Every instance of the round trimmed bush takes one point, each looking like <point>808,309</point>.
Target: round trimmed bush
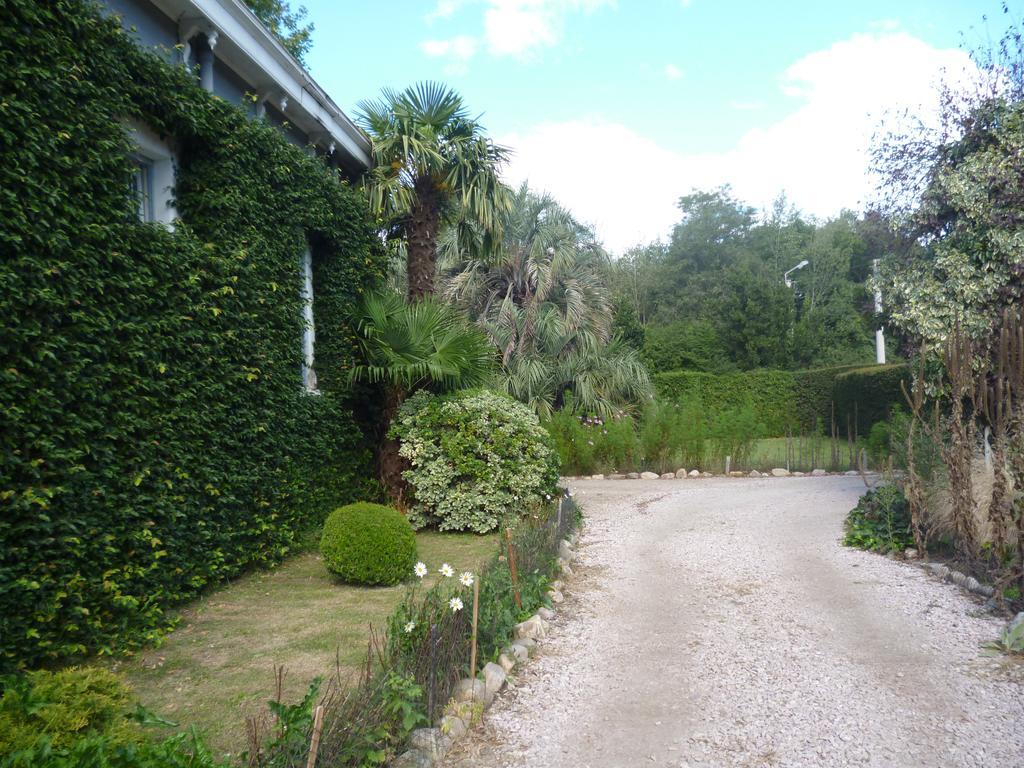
<point>367,543</point>
<point>475,456</point>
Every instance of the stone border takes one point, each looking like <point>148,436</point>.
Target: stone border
<point>695,474</point>
<point>472,697</point>
<point>968,583</point>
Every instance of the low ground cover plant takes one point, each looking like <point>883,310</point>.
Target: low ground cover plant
<point>475,457</point>
<point>366,543</point>
<point>880,522</point>
<point>84,718</point>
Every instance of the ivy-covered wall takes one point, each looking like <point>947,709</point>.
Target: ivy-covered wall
<point>155,436</point>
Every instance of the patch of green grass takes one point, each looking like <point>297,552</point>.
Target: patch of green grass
<point>217,668</point>
<point>805,454</point>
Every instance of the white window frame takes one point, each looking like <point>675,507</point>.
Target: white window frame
<point>308,325</point>
<point>159,161</point>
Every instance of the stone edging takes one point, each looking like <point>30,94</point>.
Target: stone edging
<point>682,474</point>
<point>969,583</point>
<point>428,746</point>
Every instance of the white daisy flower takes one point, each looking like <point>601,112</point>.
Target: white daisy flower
<point>467,579</point>
<point>410,626</point>
<point>446,570</point>
<point>455,604</point>
<point>420,569</point>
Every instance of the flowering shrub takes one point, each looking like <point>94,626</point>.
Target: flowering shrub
<point>476,457</point>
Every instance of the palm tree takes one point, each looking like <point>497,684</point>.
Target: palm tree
<point>406,347</point>
<point>431,158</point>
<point>541,298</point>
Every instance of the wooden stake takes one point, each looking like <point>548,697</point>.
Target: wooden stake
<point>314,746</point>
<point>476,613</point>
<point>512,568</point>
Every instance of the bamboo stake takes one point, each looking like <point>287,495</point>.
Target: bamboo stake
<point>314,746</point>
<point>512,568</point>
<point>476,613</point>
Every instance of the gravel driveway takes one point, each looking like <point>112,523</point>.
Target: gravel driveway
<point>720,623</point>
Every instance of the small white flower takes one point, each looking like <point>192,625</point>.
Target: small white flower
<point>455,604</point>
<point>410,626</point>
<point>547,496</point>
<point>446,570</point>
<point>420,569</point>
<point>467,579</point>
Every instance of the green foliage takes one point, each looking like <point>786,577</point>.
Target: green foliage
<point>732,434</point>
<point>880,442</point>
<point>155,437</point>
<point>771,395</point>
<point>814,390</point>
<point>880,522</point>
<point>1011,642</point>
<point>586,445</point>
<point>864,396</point>
<point>476,457</point>
<point>684,346</point>
<point>286,24</point>
<point>367,543</point>
<point>426,344</point>
<point>80,718</point>
<point>184,750</point>
<point>63,706</point>
<point>433,163</point>
<point>541,296</point>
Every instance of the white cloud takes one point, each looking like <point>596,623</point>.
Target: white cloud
<point>460,48</point>
<point>627,185</point>
<point>672,72</point>
<point>518,27</point>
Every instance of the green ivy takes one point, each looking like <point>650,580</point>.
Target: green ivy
<point>156,438</point>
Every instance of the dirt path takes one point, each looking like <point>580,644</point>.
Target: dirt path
<point>720,623</point>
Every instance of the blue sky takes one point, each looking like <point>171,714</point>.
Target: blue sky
<point>618,108</point>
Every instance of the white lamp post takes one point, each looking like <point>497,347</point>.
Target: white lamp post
<point>786,274</point>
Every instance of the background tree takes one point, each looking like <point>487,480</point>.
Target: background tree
<point>541,297</point>
<point>286,24</point>
<point>432,161</point>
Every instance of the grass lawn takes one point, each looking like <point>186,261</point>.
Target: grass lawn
<point>218,666</point>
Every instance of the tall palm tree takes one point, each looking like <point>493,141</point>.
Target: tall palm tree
<point>406,347</point>
<point>541,297</point>
<point>431,158</point>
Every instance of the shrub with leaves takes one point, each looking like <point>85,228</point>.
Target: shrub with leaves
<point>476,457</point>
<point>880,522</point>
<point>366,543</point>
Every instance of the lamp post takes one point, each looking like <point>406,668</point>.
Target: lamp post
<point>786,274</point>
<point>879,334</point>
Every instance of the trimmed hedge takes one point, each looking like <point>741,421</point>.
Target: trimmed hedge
<point>771,394</point>
<point>815,389</point>
<point>792,401</point>
<point>367,543</point>
<point>156,438</point>
<point>867,395</point>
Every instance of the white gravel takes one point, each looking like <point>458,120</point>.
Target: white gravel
<point>720,623</point>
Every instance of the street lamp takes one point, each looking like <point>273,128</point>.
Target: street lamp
<point>785,276</point>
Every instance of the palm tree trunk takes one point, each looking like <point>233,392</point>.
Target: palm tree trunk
<point>424,222</point>
<point>389,464</point>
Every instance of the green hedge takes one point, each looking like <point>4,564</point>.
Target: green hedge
<point>770,393</point>
<point>814,396</point>
<point>866,395</point>
<point>792,401</point>
<point>155,436</point>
